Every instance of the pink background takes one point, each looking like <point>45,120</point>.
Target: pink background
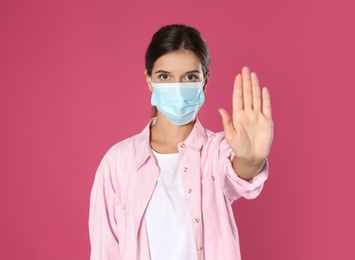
<point>72,85</point>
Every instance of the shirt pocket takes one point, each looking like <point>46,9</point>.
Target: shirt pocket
<point>218,218</point>
<point>120,222</point>
<point>210,208</point>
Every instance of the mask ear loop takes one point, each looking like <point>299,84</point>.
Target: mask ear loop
<point>205,74</point>
<point>204,85</point>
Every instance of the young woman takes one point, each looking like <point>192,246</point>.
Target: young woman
<point>166,193</point>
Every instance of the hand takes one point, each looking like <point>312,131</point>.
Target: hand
<point>249,132</point>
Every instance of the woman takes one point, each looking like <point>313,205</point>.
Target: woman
<point>166,193</point>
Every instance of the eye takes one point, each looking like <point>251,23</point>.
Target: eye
<point>191,77</point>
<point>164,76</point>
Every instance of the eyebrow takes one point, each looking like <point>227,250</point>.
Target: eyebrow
<point>162,71</point>
<point>167,72</point>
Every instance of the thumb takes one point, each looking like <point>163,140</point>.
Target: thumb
<point>226,121</point>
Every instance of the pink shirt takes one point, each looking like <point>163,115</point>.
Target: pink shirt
<point>125,181</point>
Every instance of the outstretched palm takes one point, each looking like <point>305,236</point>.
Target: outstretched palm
<point>249,131</point>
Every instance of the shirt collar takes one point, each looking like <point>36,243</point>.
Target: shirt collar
<point>194,141</point>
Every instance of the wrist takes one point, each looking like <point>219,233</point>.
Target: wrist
<point>247,169</point>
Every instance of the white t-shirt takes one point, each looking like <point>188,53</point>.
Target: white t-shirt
<point>169,227</point>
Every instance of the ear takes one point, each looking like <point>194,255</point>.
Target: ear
<point>148,80</point>
<point>206,81</point>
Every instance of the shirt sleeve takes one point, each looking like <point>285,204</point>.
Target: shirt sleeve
<point>233,186</point>
<point>102,223</point>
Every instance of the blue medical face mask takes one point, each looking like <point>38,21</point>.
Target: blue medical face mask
<point>178,102</point>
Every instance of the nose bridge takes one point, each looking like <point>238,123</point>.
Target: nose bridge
<point>178,78</point>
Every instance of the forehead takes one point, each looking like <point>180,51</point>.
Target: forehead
<point>178,61</point>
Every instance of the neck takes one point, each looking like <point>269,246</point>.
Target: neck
<point>165,136</point>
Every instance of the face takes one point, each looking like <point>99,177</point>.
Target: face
<point>178,66</point>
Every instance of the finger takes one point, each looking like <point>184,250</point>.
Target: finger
<point>237,101</point>
<point>256,91</point>
<point>226,121</point>
<point>247,92</point>
<point>266,103</point>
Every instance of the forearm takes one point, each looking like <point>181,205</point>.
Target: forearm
<point>247,169</point>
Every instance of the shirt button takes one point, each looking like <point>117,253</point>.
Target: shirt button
<point>189,191</point>
<point>186,169</point>
<point>124,206</point>
<point>213,178</point>
<point>182,145</point>
<point>197,220</point>
<point>200,248</point>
